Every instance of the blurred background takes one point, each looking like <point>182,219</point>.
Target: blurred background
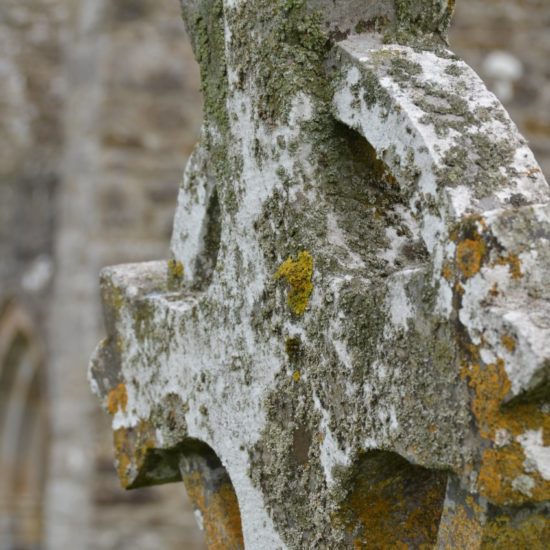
<point>99,109</point>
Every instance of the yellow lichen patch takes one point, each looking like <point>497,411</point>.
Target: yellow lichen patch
<point>123,464</point>
<point>469,255</point>
<point>117,399</point>
<point>298,274</point>
<point>131,448</point>
<point>509,342</point>
<point>175,269</point>
<point>296,376</point>
<point>503,464</point>
<point>219,509</point>
<point>532,533</point>
<point>514,265</point>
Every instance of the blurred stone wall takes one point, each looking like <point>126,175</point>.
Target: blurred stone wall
<point>99,109</point>
<point>31,137</point>
<point>31,147</point>
<point>131,115</point>
<point>508,43</point>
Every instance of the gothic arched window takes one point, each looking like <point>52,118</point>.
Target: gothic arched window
<point>23,431</point>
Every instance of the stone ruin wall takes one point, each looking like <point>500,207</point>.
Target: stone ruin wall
<point>139,149</point>
<point>95,98</point>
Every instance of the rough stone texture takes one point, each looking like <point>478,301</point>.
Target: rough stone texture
<point>31,112</point>
<point>354,321</point>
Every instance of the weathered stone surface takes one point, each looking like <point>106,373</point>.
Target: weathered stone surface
<point>356,315</point>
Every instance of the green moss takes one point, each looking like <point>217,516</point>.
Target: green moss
<point>454,70</point>
<point>477,161</point>
<point>292,347</point>
<point>288,59</point>
<point>206,26</point>
<point>421,23</point>
<point>402,68</point>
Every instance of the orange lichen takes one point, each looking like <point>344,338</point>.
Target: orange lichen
<point>469,255</point>
<point>131,448</point>
<point>298,274</point>
<point>399,509</point>
<point>501,465</point>
<point>447,271</point>
<point>509,342</point>
<point>531,532</point>
<point>459,529</point>
<point>220,512</point>
<point>117,399</point>
<point>514,265</point>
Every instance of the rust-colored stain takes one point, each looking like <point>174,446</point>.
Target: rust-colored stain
<point>298,274</point>
<point>117,399</point>
<point>220,512</point>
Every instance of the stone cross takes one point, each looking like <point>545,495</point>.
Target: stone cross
<point>350,347</point>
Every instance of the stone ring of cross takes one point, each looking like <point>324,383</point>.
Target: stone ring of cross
<point>350,345</point>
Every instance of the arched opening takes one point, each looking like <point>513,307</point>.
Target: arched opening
<point>214,499</point>
<point>23,432</point>
<point>392,503</point>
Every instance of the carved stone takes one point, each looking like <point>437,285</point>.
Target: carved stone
<point>354,329</point>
